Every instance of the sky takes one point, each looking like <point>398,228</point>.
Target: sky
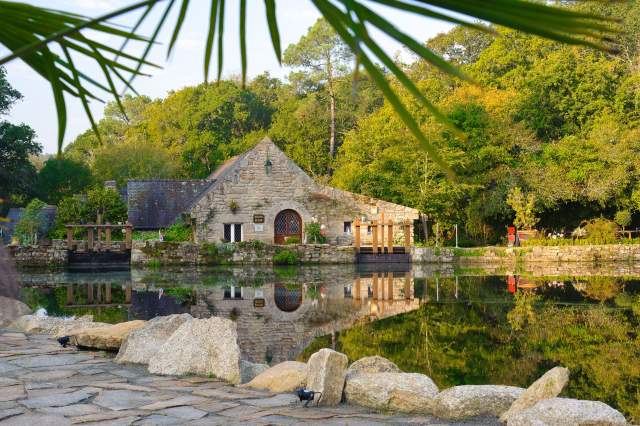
<point>185,66</point>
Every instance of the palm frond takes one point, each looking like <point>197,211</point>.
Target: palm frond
<point>27,31</point>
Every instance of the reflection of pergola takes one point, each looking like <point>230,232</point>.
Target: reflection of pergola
<point>383,292</point>
<point>98,296</point>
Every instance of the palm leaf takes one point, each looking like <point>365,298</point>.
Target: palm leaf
<point>27,31</point>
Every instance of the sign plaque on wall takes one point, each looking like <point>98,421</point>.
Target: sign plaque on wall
<point>258,227</point>
<point>258,218</point>
<point>258,303</point>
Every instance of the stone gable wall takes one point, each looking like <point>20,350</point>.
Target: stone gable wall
<point>286,187</point>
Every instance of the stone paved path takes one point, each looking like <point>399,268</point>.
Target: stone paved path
<point>42,384</point>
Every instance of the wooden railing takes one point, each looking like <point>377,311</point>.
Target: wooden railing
<point>97,230</point>
<point>380,228</point>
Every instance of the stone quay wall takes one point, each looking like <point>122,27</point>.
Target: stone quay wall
<point>40,255</point>
<point>187,253</point>
<point>608,253</point>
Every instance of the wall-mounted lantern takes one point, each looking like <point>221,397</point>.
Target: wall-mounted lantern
<point>268,165</point>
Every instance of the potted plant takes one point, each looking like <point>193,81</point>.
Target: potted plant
<point>524,208</point>
<point>233,206</point>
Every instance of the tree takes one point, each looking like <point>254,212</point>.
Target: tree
<point>524,206</point>
<point>133,160</point>
<point>105,203</point>
<point>17,143</point>
<point>61,177</point>
<point>324,56</point>
<point>32,223</point>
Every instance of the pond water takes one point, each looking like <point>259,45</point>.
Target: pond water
<point>474,327</point>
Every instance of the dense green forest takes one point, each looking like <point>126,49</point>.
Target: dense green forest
<point>560,122</point>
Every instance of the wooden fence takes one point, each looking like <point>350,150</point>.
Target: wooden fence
<point>382,234</point>
<point>95,230</point>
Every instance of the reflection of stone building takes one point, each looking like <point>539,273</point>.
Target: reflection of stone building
<point>277,321</point>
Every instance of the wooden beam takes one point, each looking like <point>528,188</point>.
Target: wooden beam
<point>69,237</point>
<point>90,238</point>
<point>356,235</point>
<point>407,236</point>
<point>390,236</point>
<point>381,231</point>
<point>374,236</point>
<point>107,235</point>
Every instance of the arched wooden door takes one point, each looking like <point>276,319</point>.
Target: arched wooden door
<point>287,224</point>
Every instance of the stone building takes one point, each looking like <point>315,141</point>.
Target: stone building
<point>259,195</point>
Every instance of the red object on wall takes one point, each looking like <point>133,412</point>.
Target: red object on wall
<point>511,284</point>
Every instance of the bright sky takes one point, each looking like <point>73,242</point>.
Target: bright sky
<point>185,67</point>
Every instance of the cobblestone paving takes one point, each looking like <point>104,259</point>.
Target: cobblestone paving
<point>42,384</point>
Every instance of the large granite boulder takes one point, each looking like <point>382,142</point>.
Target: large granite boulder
<point>567,412</point>
<point>144,342</point>
<point>11,309</point>
<point>108,338</point>
<point>549,385</point>
<point>402,392</point>
<point>201,346</point>
<point>37,324</point>
<point>326,371</point>
<point>249,370</point>
<point>372,364</point>
<point>462,402</point>
<point>284,377</point>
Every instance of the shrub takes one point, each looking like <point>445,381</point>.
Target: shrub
<point>286,257</point>
<point>314,235</point>
<point>623,218</point>
<point>32,223</point>
<point>524,207</point>
<point>601,231</point>
<point>292,240</point>
<point>177,232</point>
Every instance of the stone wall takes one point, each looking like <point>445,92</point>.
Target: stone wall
<point>246,185</point>
<point>539,254</point>
<point>54,254</point>
<point>186,253</point>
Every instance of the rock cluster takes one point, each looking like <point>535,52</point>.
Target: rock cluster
<point>181,344</point>
<point>11,309</point>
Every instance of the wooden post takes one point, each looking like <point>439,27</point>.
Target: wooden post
<point>127,237</point>
<point>390,236</point>
<point>99,293</point>
<point>99,228</point>
<point>90,238</point>
<point>107,293</point>
<point>127,294</point>
<point>107,235</point>
<point>374,284</point>
<point>381,231</point>
<point>69,295</point>
<point>356,236</point>
<point>356,290</point>
<point>69,237</point>
<point>374,236</point>
<point>407,236</point>
<point>89,294</point>
<point>390,286</point>
<point>407,286</point>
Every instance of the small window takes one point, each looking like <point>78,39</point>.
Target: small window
<point>233,292</point>
<point>369,228</point>
<point>347,227</point>
<point>233,232</point>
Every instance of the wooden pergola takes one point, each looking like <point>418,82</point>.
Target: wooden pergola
<point>94,230</point>
<point>379,229</point>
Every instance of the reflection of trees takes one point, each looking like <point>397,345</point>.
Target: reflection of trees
<point>512,344</point>
<point>599,288</point>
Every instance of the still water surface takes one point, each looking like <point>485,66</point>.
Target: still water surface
<point>457,328</point>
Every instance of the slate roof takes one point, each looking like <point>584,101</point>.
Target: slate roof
<point>157,203</point>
